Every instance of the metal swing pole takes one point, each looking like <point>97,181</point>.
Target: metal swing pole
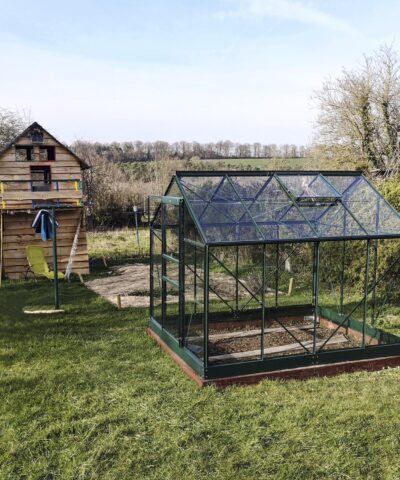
<point>55,260</point>
<point>135,212</point>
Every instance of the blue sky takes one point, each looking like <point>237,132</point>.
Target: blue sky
<point>205,70</point>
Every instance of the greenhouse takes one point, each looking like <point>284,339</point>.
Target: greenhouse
<point>254,273</point>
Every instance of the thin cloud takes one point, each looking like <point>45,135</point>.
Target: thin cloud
<point>292,10</point>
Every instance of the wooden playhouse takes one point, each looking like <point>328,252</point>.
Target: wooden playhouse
<point>37,171</point>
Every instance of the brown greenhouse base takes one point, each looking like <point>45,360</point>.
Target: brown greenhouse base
<point>300,373</point>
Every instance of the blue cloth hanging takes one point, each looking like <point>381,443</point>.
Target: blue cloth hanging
<point>43,224</point>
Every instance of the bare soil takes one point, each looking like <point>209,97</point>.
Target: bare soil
<point>131,281</point>
<point>272,339</point>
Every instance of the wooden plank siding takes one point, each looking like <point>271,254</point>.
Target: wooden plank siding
<point>17,201</point>
<point>65,167</point>
<point>18,234</point>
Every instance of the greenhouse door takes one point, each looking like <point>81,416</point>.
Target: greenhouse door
<point>172,266</point>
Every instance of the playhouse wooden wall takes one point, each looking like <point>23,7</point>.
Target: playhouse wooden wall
<point>18,234</point>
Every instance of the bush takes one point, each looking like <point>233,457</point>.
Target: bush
<point>111,189</point>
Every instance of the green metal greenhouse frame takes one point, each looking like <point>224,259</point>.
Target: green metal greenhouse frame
<point>209,210</point>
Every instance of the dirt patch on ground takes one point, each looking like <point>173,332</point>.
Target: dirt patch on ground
<point>129,281</point>
<point>132,283</point>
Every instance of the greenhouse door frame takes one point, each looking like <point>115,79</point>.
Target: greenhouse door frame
<point>176,202</point>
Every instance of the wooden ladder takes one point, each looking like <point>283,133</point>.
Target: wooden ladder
<point>74,248</point>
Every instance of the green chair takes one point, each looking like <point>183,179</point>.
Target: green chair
<point>37,263</point>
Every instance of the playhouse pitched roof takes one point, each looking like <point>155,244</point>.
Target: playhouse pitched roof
<point>84,165</point>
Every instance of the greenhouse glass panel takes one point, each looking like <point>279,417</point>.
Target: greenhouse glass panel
<point>371,209</point>
<point>220,211</point>
<point>278,216</point>
<point>332,220</point>
<point>341,183</point>
<point>304,187</point>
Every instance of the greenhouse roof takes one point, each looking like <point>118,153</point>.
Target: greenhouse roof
<point>232,207</point>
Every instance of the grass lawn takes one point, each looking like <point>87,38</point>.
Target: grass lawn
<point>87,395</point>
<point>275,164</point>
<point>117,245</point>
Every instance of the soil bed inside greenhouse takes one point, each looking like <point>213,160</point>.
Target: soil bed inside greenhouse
<point>292,336</point>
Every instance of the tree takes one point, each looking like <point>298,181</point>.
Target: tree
<point>107,189</point>
<point>257,150</point>
<point>11,125</point>
<point>359,112</point>
<point>227,148</point>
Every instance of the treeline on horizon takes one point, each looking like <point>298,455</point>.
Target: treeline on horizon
<point>138,151</point>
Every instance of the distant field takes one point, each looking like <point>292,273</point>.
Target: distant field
<point>275,163</point>
<point>145,170</point>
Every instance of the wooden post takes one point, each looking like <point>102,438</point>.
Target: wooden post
<point>119,303</point>
<point>290,287</point>
<point>55,260</point>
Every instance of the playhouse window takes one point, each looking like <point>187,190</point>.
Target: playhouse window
<point>37,136</point>
<point>47,154</point>
<point>24,153</point>
<point>41,179</point>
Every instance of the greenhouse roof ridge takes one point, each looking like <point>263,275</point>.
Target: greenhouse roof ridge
<point>233,207</point>
<point>250,173</point>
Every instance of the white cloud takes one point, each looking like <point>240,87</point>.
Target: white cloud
<point>287,10</point>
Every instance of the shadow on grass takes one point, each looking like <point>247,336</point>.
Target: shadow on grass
<point>97,267</point>
<point>86,314</point>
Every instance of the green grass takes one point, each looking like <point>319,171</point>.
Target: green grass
<point>87,395</point>
<point>273,164</point>
<point>118,245</point>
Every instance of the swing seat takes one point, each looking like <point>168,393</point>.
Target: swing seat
<point>37,263</point>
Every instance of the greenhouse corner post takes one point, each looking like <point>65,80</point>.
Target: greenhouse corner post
<point>264,269</point>
<point>151,246</point>
<point>181,275</point>
<point>315,292</point>
<point>163,266</point>
<point>237,282</point>
<point>365,292</point>
<point>55,260</point>
<point>276,274</point>
<point>374,276</point>
<point>342,276</point>
<point>206,283</point>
